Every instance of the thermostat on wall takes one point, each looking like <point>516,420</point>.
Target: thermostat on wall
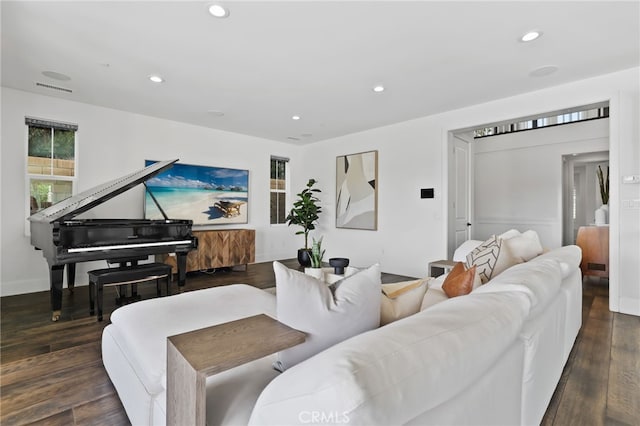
<point>426,193</point>
<point>631,179</point>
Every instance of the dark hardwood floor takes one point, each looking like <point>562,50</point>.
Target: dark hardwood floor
<point>52,373</point>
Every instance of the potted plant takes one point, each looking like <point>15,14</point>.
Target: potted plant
<point>604,185</point>
<point>305,213</point>
<point>317,253</point>
<point>602,213</point>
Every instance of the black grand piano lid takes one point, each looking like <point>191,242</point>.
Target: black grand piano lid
<point>86,200</point>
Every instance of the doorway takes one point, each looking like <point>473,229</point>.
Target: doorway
<point>581,191</point>
<point>460,191</point>
<point>518,178</point>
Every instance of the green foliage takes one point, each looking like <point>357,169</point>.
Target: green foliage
<point>40,191</point>
<point>305,211</point>
<point>317,253</point>
<point>63,144</point>
<point>40,143</point>
<point>604,185</point>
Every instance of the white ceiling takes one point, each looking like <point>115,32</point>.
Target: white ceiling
<point>270,60</point>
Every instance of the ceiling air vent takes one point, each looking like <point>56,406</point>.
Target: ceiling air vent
<point>49,86</point>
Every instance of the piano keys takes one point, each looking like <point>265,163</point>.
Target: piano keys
<point>66,240</point>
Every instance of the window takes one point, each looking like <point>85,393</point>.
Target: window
<point>51,165</point>
<point>279,185</point>
<point>592,113</point>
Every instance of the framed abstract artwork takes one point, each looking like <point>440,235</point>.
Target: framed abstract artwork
<point>357,191</point>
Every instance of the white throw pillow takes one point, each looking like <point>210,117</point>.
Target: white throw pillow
<point>399,300</point>
<point>327,317</point>
<point>460,255</point>
<point>510,234</point>
<point>523,247</point>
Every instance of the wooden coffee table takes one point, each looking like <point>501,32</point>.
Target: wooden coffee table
<point>196,355</point>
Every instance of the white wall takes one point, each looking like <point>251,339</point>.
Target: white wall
<point>113,143</point>
<point>412,155</point>
<point>410,229</point>
<point>518,178</point>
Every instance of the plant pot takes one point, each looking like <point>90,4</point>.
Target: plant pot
<point>601,216</point>
<point>315,273</point>
<point>304,257</point>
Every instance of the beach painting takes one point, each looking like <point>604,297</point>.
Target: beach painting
<point>357,191</point>
<point>206,195</point>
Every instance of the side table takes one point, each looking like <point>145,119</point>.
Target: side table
<point>196,355</point>
<point>440,267</point>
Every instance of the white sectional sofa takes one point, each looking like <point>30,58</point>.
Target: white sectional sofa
<point>492,357</point>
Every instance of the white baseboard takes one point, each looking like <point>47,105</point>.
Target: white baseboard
<point>269,257</point>
<point>10,288</point>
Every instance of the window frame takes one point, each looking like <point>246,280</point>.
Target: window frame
<point>286,191</point>
<point>51,124</point>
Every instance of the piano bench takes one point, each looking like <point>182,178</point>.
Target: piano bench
<point>99,278</point>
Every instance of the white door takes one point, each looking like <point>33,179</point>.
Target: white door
<point>459,211</point>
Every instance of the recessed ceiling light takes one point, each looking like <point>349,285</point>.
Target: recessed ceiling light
<point>295,117</point>
<point>156,78</point>
<point>216,112</point>
<point>56,75</point>
<point>379,88</point>
<point>218,11</point>
<point>530,36</point>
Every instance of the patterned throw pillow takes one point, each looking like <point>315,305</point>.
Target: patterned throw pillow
<point>491,258</point>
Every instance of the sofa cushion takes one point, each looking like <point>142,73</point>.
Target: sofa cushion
<point>433,296</point>
<point>491,258</point>
<point>460,255</point>
<point>399,300</point>
<point>523,246</point>
<point>143,327</point>
<point>392,374</point>
<point>309,305</point>
<point>539,280</point>
<point>459,281</point>
<point>569,258</point>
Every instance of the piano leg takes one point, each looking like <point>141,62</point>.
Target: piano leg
<point>56,276</point>
<point>71,276</point>
<point>181,260</point>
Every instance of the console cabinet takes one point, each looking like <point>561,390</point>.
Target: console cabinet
<point>219,249</point>
<point>594,242</point>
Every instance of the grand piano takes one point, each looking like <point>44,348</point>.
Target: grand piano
<point>65,240</point>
